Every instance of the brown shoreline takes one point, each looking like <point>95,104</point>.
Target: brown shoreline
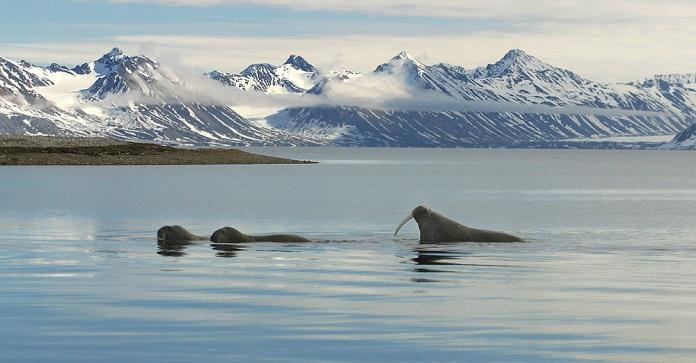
<point>49,150</point>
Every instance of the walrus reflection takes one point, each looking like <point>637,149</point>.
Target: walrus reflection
<point>433,258</point>
<point>434,261</point>
<point>172,249</point>
<point>226,250</point>
<point>169,234</point>
<point>436,228</point>
<point>231,235</point>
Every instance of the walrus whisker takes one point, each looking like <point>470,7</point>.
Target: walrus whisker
<point>408,218</point>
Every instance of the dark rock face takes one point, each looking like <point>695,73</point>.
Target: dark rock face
<point>125,73</point>
<point>109,61</point>
<point>55,68</point>
<point>82,69</point>
<point>300,63</point>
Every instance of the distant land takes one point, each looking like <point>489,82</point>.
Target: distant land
<point>518,101</point>
<point>51,150</point>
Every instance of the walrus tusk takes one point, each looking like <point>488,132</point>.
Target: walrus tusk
<point>408,218</point>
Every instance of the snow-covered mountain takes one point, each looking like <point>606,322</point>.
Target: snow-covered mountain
<point>129,97</point>
<point>516,81</point>
<point>25,110</point>
<point>17,82</point>
<point>526,100</point>
<point>296,75</point>
<point>679,90</point>
<point>523,79</point>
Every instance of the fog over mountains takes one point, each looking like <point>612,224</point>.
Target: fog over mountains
<point>402,103</point>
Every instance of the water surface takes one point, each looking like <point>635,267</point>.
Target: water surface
<point>608,272</point>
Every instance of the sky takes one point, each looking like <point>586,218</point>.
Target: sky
<point>603,40</point>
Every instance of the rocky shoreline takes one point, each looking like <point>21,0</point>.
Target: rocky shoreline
<point>51,150</point>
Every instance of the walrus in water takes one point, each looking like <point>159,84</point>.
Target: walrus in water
<point>169,234</point>
<point>231,235</point>
<point>435,227</point>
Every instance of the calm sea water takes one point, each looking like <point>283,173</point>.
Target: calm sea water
<point>608,273</point>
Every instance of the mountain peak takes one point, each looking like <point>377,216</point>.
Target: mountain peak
<point>115,52</point>
<point>513,54</point>
<point>519,57</point>
<point>405,57</point>
<point>402,60</point>
<point>515,60</point>
<point>109,61</point>
<point>300,63</point>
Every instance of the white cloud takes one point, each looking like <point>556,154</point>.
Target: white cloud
<point>582,10</point>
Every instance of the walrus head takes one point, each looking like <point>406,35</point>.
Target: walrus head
<point>229,235</point>
<point>420,214</point>
<point>175,234</point>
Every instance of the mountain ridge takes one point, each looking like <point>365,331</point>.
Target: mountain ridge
<point>133,97</point>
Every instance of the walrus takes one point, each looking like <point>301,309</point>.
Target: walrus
<point>435,227</point>
<point>168,234</point>
<point>231,235</point>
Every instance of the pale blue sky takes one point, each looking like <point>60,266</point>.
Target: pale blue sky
<point>604,40</point>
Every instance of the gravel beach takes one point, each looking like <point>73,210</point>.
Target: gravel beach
<point>50,150</point>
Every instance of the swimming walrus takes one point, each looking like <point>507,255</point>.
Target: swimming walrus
<point>231,235</point>
<point>435,227</point>
<point>168,234</point>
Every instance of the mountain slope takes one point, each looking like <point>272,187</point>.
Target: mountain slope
<point>24,110</point>
<point>351,126</point>
<point>685,140</point>
<point>516,81</point>
<point>17,82</point>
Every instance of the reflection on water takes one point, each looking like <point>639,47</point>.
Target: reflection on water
<point>172,248</point>
<point>426,258</point>
<point>226,249</point>
<point>608,274</point>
